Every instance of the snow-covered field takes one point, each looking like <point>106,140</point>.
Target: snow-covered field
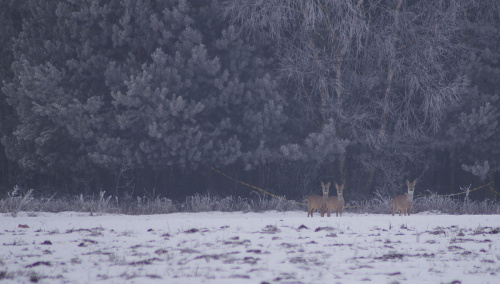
<point>270,247</point>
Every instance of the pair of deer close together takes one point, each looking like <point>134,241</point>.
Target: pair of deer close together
<point>401,203</point>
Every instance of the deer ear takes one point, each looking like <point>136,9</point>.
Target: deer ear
<point>328,184</point>
<point>414,182</point>
<point>342,186</point>
<point>322,184</point>
<point>407,182</point>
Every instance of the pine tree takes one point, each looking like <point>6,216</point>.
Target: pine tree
<point>154,84</point>
<point>11,14</point>
<point>473,130</point>
<point>57,90</point>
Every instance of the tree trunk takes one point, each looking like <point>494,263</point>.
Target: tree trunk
<point>453,170</point>
<point>491,195</point>
<point>386,104</point>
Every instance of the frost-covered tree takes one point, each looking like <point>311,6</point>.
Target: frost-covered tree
<point>201,97</point>
<point>11,15</point>
<point>472,135</point>
<point>154,84</point>
<point>381,71</point>
<point>58,89</point>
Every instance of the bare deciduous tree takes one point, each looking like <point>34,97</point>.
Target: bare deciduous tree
<point>381,70</point>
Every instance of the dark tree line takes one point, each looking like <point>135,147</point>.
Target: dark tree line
<point>136,95</point>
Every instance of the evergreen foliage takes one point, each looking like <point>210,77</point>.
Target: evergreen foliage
<point>155,84</point>
<point>472,135</point>
<point>133,95</point>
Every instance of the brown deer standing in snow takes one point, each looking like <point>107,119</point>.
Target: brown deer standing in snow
<point>336,202</point>
<point>318,202</point>
<point>404,203</point>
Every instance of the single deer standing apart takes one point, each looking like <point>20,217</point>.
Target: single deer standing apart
<point>336,202</point>
<point>316,201</point>
<point>404,203</point>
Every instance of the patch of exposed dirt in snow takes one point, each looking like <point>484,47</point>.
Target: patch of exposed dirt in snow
<point>270,247</point>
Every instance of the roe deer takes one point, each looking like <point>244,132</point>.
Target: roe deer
<point>336,202</point>
<point>317,202</point>
<point>404,203</point>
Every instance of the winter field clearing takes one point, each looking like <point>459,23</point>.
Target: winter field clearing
<point>269,247</point>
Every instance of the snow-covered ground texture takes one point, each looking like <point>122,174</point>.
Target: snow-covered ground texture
<point>269,247</point>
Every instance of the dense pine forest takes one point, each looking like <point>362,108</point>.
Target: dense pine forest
<point>176,98</point>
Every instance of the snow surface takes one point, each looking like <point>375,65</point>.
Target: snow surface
<point>272,247</point>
